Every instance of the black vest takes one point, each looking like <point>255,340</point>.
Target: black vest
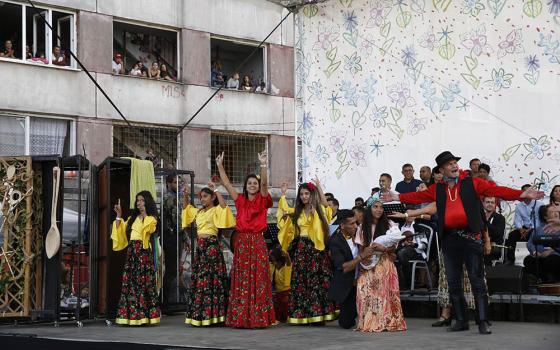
<point>471,203</point>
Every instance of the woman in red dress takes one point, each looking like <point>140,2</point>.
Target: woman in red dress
<point>250,299</point>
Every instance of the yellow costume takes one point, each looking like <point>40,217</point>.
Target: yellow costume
<point>208,221</point>
<point>280,277</point>
<point>141,231</point>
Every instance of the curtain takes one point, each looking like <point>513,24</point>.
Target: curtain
<point>48,136</point>
<point>12,136</point>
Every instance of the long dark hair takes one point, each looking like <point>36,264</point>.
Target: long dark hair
<point>554,200</point>
<point>315,204</point>
<point>254,176</point>
<point>211,193</point>
<point>380,228</point>
<point>149,204</point>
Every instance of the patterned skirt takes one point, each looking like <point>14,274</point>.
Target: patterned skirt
<point>250,301</point>
<point>138,304</point>
<point>443,289</point>
<point>378,299</point>
<point>311,276</point>
<point>207,301</point>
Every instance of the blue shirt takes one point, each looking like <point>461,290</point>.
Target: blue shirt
<point>404,187</point>
<point>523,214</point>
<point>540,248</point>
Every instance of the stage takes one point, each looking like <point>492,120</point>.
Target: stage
<point>172,333</point>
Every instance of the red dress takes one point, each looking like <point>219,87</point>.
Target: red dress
<point>250,299</point>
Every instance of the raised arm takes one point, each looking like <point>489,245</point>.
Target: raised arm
<point>263,159</point>
<point>423,213</point>
<point>320,191</point>
<point>225,179</point>
<point>221,199</point>
<point>427,196</point>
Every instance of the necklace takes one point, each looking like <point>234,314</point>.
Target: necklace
<point>450,197</point>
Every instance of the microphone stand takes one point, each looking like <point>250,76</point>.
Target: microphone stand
<point>534,217</point>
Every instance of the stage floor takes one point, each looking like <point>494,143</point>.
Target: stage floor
<point>420,335</point>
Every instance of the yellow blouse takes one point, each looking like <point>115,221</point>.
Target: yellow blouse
<point>280,277</point>
<point>309,225</point>
<point>140,231</point>
<point>208,221</point>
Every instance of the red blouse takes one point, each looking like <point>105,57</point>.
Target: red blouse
<point>251,215</point>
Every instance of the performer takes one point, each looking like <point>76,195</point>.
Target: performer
<point>250,301</point>
<point>280,274</point>
<point>346,260</point>
<point>378,296</point>
<point>311,270</point>
<point>138,303</point>
<point>207,301</point>
<point>460,224</point>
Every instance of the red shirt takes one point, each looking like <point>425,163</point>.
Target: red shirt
<point>455,216</point>
<point>251,215</point>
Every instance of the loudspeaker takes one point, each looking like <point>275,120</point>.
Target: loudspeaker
<point>506,279</point>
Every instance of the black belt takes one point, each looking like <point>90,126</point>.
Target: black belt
<point>464,233</point>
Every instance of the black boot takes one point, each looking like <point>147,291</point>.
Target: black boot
<point>482,309</point>
<point>460,310</point>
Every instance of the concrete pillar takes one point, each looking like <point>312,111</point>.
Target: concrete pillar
<point>95,41</point>
<point>96,136</point>
<point>195,57</point>
<point>281,70</point>
<point>282,160</point>
<point>195,153</point>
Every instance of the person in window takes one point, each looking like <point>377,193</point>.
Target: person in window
<point>136,71</point>
<point>40,58</point>
<point>143,69</point>
<point>217,76</point>
<point>261,88</point>
<point>246,84</point>
<point>164,73</point>
<point>8,50</point>
<point>154,72</point>
<point>118,66</point>
<point>58,58</point>
<point>233,82</point>
<point>28,54</point>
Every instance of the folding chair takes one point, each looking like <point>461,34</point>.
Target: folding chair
<point>423,264</point>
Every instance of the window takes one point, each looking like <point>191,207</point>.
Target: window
<point>240,157</point>
<point>36,136</point>
<point>137,48</point>
<point>26,37</point>
<point>227,55</point>
<point>146,142</point>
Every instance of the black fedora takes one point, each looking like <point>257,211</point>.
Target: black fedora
<point>445,157</point>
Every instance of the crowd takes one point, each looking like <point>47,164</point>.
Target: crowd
<point>155,71</point>
<point>331,263</point>
<point>218,79</point>
<point>58,57</point>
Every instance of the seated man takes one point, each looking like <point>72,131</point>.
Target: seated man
<point>58,58</point>
<point>523,223</point>
<point>414,247</point>
<point>548,259</point>
<point>345,259</point>
<point>496,224</point>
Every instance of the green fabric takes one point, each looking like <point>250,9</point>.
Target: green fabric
<point>141,178</point>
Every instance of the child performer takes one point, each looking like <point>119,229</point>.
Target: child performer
<point>138,303</point>
<point>280,273</point>
<point>250,300</point>
<point>207,301</point>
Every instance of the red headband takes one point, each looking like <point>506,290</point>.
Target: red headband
<point>311,186</point>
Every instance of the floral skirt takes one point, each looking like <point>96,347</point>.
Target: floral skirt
<point>138,304</point>
<point>443,289</point>
<point>311,276</point>
<point>207,301</point>
<point>378,299</point>
<point>250,300</point>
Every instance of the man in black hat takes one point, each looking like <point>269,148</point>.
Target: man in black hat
<point>460,227</point>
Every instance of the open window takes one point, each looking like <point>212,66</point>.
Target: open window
<point>11,30</point>
<point>227,55</point>
<point>145,51</point>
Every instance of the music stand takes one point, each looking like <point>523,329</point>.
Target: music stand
<point>394,207</point>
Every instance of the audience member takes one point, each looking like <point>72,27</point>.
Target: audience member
<point>136,71</point>
<point>385,181</point>
<point>280,273</point>
<point>484,172</point>
<point>233,82</point>
<point>217,78</point>
<point>522,223</point>
<point>359,202</point>
<point>473,165</point>
<point>8,50</point>
<point>555,196</point>
<point>58,58</point>
<point>409,184</point>
<point>118,66</point>
<point>412,248</point>
<point>261,88</point>
<point>425,174</point>
<point>359,214</point>
<point>496,225</point>
<point>329,195</point>
<point>548,259</point>
<point>437,175</point>
<point>154,72</point>
<point>164,73</point>
<point>143,69</point>
<point>28,53</point>
<point>246,84</point>
<point>333,204</point>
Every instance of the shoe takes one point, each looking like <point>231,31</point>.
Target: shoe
<point>484,327</point>
<point>458,326</point>
<point>442,322</point>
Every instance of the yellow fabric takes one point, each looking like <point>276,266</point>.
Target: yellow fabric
<point>328,317</point>
<point>280,277</point>
<point>140,322</point>
<point>208,221</point>
<point>285,225</point>
<point>141,179</point>
<point>205,322</point>
<point>310,226</point>
<point>141,231</point>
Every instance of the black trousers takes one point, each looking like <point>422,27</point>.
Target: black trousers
<point>456,252</point>
<point>348,311</point>
<point>405,255</point>
<point>514,237</point>
<point>170,274</point>
<point>549,267</point>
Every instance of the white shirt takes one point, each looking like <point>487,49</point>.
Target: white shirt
<point>355,251</point>
<point>117,67</point>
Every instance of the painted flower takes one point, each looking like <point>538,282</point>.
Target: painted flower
<point>500,80</point>
<point>350,22</point>
<point>349,92</point>
<point>536,148</point>
<point>476,41</point>
<point>428,41</point>
<point>368,88</point>
<point>337,140</point>
<point>551,47</point>
<point>416,125</point>
<point>512,44</point>
<point>326,37</point>
<point>547,182</point>
<point>316,90</point>
<point>472,7</point>
<point>358,154</point>
<point>399,93</point>
<point>532,63</point>
<point>367,46</point>
<point>378,13</point>
<point>554,6</point>
<point>352,63</point>
<point>408,56</point>
<point>307,121</point>
<point>321,154</point>
<point>379,117</point>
